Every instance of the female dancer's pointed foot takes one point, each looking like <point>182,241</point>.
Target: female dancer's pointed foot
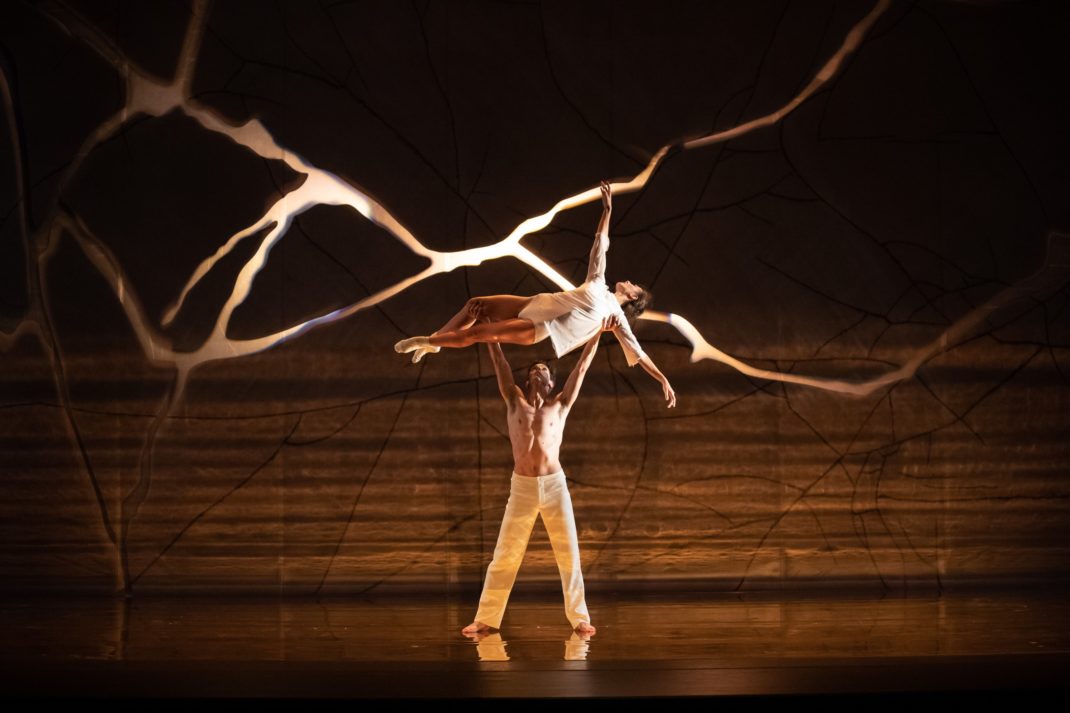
<point>412,344</point>
<point>585,629</point>
<point>476,627</point>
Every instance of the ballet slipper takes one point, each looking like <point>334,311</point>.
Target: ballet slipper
<point>411,344</point>
<point>421,351</point>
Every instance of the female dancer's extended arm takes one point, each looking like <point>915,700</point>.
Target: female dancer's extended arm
<point>596,263</point>
<point>636,355</point>
<point>666,388</point>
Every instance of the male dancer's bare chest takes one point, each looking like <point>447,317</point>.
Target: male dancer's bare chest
<point>541,424</point>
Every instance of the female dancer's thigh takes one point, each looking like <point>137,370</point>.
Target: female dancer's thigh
<point>506,331</point>
<point>500,307</point>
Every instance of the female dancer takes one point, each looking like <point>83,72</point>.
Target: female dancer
<point>568,318</point>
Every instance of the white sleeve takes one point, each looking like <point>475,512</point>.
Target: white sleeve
<point>632,351</point>
<point>596,263</point>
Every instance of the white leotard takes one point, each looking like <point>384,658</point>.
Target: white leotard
<point>572,317</point>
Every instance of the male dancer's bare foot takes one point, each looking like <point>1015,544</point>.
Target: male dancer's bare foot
<point>476,627</point>
<point>585,629</point>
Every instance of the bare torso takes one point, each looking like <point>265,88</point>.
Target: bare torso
<point>535,430</point>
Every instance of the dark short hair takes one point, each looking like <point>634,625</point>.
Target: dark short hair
<point>633,308</point>
<point>551,367</point>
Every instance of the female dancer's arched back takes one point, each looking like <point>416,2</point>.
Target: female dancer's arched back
<point>568,318</point>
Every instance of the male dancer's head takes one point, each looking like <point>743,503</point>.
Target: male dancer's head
<point>541,380</point>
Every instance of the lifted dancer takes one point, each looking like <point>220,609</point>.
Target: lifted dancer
<point>568,319</point>
<point>536,425</point>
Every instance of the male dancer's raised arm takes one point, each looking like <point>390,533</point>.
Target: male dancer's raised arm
<point>571,389</point>
<point>506,385</point>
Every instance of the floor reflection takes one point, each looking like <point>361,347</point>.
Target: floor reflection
<point>577,647</point>
<point>637,628</point>
<point>492,647</point>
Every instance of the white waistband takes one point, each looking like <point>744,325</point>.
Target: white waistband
<point>559,473</point>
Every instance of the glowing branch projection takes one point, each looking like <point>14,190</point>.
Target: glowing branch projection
<point>1052,274</point>
<point>323,188</point>
<point>149,95</point>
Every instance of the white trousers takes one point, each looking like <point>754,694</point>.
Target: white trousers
<point>529,497</point>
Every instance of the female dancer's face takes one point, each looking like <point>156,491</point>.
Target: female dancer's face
<point>628,289</point>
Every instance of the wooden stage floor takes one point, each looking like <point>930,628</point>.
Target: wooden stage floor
<point>743,646</point>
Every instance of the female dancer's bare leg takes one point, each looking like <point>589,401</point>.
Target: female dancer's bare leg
<point>488,309</point>
<point>494,308</point>
<point>506,331</point>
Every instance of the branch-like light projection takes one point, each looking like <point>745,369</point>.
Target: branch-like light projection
<point>148,95</point>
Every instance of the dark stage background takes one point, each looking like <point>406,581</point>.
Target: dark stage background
<point>926,178</point>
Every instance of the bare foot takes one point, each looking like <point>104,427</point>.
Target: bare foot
<point>585,629</point>
<point>476,627</point>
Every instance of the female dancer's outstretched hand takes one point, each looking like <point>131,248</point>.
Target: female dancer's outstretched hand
<point>607,195</point>
<point>670,395</point>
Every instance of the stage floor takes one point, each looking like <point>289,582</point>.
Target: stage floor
<point>655,645</point>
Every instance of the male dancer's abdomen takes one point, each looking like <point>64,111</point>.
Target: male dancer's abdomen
<point>536,447</point>
<point>535,462</point>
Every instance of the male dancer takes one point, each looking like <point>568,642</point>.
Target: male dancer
<point>536,425</point>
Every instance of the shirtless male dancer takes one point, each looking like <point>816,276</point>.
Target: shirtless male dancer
<point>536,425</point>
